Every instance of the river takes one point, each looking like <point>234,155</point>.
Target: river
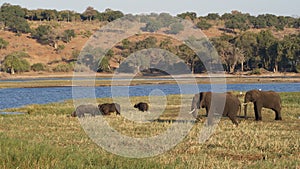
<point>18,97</point>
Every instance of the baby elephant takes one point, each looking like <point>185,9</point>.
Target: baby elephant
<point>142,106</point>
<point>107,108</point>
<point>82,109</point>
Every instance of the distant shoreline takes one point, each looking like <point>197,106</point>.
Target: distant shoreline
<point>65,79</point>
<point>26,75</point>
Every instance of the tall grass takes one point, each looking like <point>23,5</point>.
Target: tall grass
<point>48,138</point>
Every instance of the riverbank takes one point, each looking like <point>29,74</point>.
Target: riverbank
<point>46,79</point>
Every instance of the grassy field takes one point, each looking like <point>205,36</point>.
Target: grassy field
<point>49,138</point>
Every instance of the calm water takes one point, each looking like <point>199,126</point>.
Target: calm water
<point>18,97</point>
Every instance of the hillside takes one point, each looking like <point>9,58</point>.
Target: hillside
<point>50,56</point>
<point>46,53</point>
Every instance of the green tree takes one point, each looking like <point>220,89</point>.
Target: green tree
<point>204,25</point>
<point>45,34</point>
<point>90,13</point>
<point>265,40</point>
<point>188,15</point>
<point>68,35</point>
<point>175,28</point>
<point>13,17</point>
<point>15,62</point>
<point>152,26</point>
<point>247,42</point>
<point>3,43</point>
<point>50,15</point>
<point>213,16</point>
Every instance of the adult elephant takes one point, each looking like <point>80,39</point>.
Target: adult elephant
<point>81,110</point>
<point>107,108</point>
<point>225,103</point>
<point>260,99</point>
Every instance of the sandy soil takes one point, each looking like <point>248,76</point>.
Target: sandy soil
<point>266,77</point>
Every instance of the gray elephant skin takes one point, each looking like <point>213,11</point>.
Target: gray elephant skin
<point>107,108</point>
<point>85,109</point>
<point>267,99</point>
<point>231,106</point>
<point>142,106</point>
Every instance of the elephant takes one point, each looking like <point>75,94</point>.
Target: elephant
<point>142,106</point>
<point>107,108</point>
<point>267,99</point>
<point>230,106</point>
<point>88,108</point>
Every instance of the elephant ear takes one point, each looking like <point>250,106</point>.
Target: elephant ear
<point>255,95</point>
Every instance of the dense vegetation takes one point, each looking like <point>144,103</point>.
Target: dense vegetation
<point>241,47</point>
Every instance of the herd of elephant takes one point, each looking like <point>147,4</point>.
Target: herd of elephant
<point>104,109</point>
<point>214,103</point>
<point>226,104</point>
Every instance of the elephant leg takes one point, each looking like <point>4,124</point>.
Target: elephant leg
<point>277,115</point>
<point>207,111</point>
<point>257,111</point>
<point>232,118</point>
<point>210,116</point>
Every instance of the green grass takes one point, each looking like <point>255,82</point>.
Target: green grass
<point>48,138</point>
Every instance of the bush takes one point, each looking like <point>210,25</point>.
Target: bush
<point>255,71</point>
<point>3,43</point>
<point>38,67</point>
<point>63,68</point>
<point>203,25</point>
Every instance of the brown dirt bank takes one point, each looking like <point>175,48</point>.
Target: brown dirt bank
<point>200,78</point>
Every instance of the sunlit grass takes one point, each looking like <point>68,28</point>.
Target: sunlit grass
<point>48,138</point>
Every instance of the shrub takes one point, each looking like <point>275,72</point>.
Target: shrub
<point>203,25</point>
<point>3,43</point>
<point>63,68</point>
<point>255,71</point>
<point>38,67</point>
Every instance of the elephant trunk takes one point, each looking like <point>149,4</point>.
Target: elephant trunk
<point>245,107</point>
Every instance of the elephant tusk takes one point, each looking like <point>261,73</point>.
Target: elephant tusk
<point>192,111</point>
<point>245,104</point>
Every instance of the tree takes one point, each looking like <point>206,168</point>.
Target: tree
<point>68,35</point>
<point>13,17</point>
<point>247,42</point>
<point>204,25</point>
<point>213,16</point>
<point>165,19</point>
<point>152,26</point>
<point>45,34</point>
<point>188,55</point>
<point>15,62</point>
<point>265,40</point>
<point>90,13</point>
<point>188,15</point>
<point>3,43</point>
<point>229,54</point>
<point>50,15</point>
<point>175,28</point>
